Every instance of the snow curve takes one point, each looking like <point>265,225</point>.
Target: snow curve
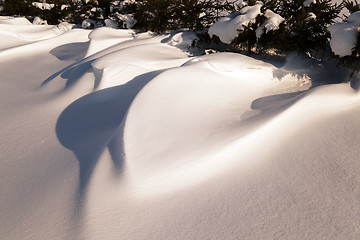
<point>112,134</point>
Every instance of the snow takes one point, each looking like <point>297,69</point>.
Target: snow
<point>128,20</point>
<point>39,21</point>
<point>344,35</point>
<point>307,3</point>
<point>354,18</point>
<point>310,16</point>
<point>110,134</point>
<point>43,6</point>
<point>228,28</point>
<point>184,40</point>
<point>89,24</point>
<point>111,23</point>
<point>272,23</point>
<point>240,3</point>
<point>15,21</point>
<point>64,7</point>
<point>119,5</point>
<point>128,2</point>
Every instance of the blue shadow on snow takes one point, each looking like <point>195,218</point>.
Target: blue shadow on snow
<point>94,122</point>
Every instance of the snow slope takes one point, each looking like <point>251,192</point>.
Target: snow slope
<point>108,134</point>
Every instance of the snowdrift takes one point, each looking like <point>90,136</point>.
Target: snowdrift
<point>109,134</point>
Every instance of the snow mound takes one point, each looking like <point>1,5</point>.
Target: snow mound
<point>15,21</point>
<point>88,24</point>
<point>111,23</point>
<point>344,35</point>
<point>39,21</point>
<point>128,20</point>
<point>124,64</point>
<point>272,23</point>
<point>228,28</point>
<point>15,33</point>
<point>183,40</point>
<point>116,134</point>
<point>202,105</point>
<point>43,6</point>
<point>105,37</point>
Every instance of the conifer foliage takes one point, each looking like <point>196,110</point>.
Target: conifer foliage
<point>304,29</point>
<point>352,60</point>
<point>74,11</point>
<point>163,15</point>
<point>306,26</point>
<point>351,6</point>
<point>280,26</point>
<point>17,7</point>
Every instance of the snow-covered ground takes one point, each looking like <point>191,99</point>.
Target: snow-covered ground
<point>108,134</point>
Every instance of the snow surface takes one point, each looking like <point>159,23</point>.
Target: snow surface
<point>183,40</point>
<point>127,19</point>
<point>14,21</point>
<point>109,134</point>
<point>39,21</point>
<point>344,35</point>
<point>272,23</point>
<point>43,6</point>
<point>228,28</point>
<point>111,23</point>
<point>88,23</point>
<point>307,3</point>
<point>310,16</point>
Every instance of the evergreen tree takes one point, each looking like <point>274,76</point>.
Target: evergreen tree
<point>163,15</point>
<point>198,14</point>
<point>352,61</point>
<point>123,13</point>
<point>247,38</point>
<point>55,15</point>
<point>1,7</point>
<point>17,7</point>
<point>304,29</point>
<point>155,15</point>
<point>306,26</point>
<point>87,10</point>
<point>351,5</point>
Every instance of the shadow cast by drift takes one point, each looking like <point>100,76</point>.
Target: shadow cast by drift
<point>95,122</point>
<point>71,52</point>
<point>73,72</point>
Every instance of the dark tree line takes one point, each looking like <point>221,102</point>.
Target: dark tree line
<point>304,28</point>
<point>153,15</point>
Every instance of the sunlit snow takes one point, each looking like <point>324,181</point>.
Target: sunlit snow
<point>113,134</point>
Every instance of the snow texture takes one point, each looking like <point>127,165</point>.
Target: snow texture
<point>272,23</point>
<point>15,21</point>
<point>307,3</point>
<point>43,6</point>
<point>183,40</point>
<point>228,28</point>
<point>111,23</point>
<point>344,35</point>
<point>128,20</point>
<point>311,16</point>
<point>64,6</point>
<point>109,134</point>
<point>39,21</point>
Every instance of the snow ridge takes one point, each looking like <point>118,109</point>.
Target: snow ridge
<point>116,134</point>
